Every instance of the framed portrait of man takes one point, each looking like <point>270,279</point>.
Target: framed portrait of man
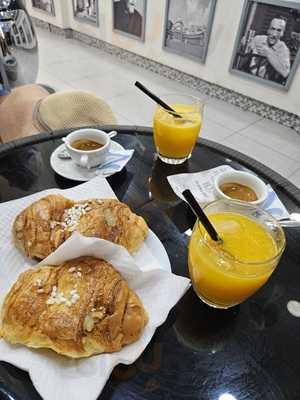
<point>188,25</point>
<point>267,47</point>
<point>46,6</point>
<point>129,17</point>
<point>86,11</point>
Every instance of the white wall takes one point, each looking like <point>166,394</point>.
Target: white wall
<point>216,68</point>
<point>60,13</point>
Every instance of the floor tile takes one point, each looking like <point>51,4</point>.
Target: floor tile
<point>271,158</point>
<point>48,56</point>
<point>277,137</point>
<point>47,78</point>
<point>107,85</point>
<point>157,84</point>
<point>135,107</point>
<point>69,70</point>
<point>229,116</point>
<point>121,120</point>
<point>212,131</point>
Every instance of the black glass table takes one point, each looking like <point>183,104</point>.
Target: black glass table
<point>249,352</point>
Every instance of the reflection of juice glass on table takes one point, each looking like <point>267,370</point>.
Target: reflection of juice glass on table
<point>175,136</point>
<point>226,274</point>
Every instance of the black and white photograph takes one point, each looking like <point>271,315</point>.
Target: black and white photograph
<point>44,5</point>
<point>129,17</point>
<point>268,42</point>
<point>86,11</point>
<point>188,26</point>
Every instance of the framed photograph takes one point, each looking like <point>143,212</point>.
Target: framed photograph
<point>86,11</point>
<point>268,42</point>
<point>188,26</point>
<point>44,5</point>
<point>129,17</point>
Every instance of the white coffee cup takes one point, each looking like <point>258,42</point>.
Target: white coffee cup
<point>88,158</point>
<point>243,178</point>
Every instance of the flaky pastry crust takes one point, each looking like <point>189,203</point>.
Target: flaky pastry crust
<point>43,226</point>
<point>79,308</point>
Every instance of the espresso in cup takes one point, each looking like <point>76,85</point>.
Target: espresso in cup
<point>86,145</point>
<point>238,191</point>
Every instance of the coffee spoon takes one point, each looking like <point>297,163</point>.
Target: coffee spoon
<point>292,222</point>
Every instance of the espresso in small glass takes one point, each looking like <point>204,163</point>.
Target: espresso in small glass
<point>86,145</point>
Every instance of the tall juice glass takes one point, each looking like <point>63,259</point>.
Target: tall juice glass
<point>224,275</point>
<point>175,134</point>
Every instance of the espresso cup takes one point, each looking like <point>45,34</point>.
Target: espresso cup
<point>242,178</point>
<point>88,158</point>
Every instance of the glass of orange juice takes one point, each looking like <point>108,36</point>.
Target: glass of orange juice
<point>175,133</point>
<point>225,274</point>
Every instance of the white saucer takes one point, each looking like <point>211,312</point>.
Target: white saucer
<point>68,169</point>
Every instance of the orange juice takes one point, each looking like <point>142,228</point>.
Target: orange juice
<point>226,274</point>
<point>176,137</point>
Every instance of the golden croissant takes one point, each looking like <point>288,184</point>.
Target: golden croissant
<point>43,226</point>
<point>79,308</point>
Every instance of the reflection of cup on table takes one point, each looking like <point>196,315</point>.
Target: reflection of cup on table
<point>226,274</point>
<point>175,134</point>
<point>88,147</point>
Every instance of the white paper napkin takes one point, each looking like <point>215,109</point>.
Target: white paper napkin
<point>114,162</point>
<point>202,186</point>
<point>59,378</point>
<point>12,259</point>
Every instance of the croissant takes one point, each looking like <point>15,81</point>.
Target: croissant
<point>79,308</point>
<point>43,226</point>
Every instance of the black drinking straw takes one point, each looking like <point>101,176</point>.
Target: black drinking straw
<point>192,202</point>
<point>157,99</point>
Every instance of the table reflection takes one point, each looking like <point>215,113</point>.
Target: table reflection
<point>158,185</point>
<point>23,170</point>
<point>209,331</point>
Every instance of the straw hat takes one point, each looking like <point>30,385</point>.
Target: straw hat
<point>73,109</point>
<point>16,112</point>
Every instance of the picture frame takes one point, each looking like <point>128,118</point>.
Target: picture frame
<point>187,27</point>
<point>129,18</point>
<point>267,45</point>
<point>45,6</point>
<point>86,11</point>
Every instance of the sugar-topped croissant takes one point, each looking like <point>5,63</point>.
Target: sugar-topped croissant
<point>47,223</point>
<point>79,308</point>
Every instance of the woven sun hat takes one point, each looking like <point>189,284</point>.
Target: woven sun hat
<point>73,109</point>
<point>16,112</point>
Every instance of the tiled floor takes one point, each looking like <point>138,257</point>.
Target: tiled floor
<point>67,64</point>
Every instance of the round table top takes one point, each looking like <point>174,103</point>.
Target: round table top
<point>249,352</point>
